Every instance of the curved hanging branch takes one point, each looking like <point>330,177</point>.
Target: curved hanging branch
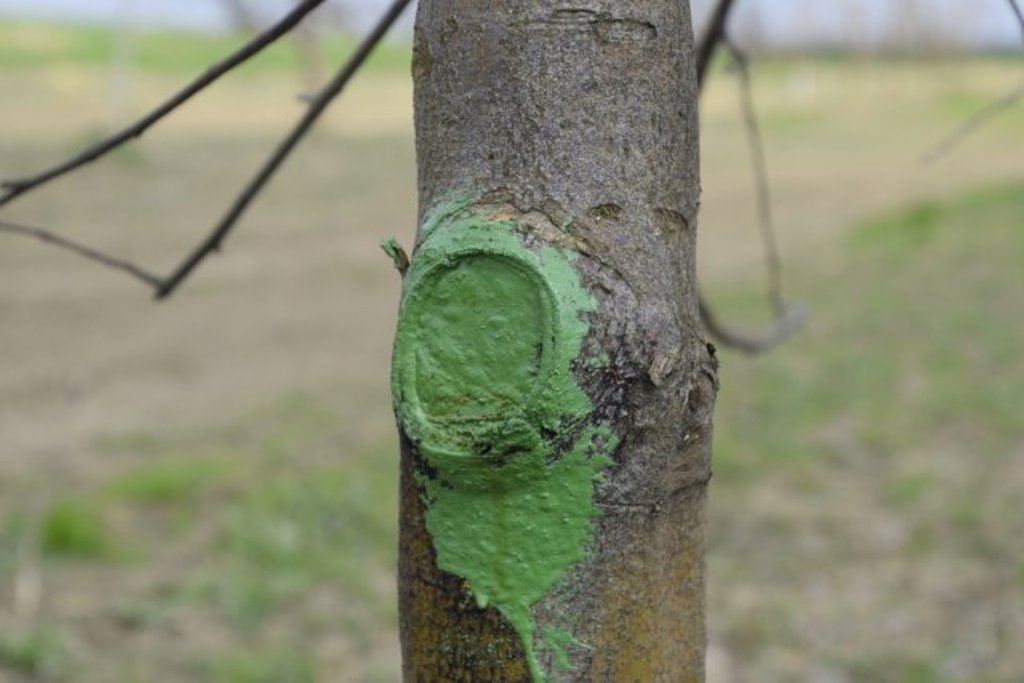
<point>759,164</point>
<point>788,319</point>
<point>10,189</point>
<point>791,320</point>
<point>252,189</point>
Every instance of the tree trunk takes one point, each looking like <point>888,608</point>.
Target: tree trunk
<point>553,392</point>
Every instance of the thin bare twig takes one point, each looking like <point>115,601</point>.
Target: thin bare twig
<point>759,164</point>
<point>84,251</point>
<point>978,120</point>
<point>316,108</point>
<point>1016,9</point>
<point>13,188</point>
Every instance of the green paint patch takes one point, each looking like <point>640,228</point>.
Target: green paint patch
<point>491,299</point>
<point>489,332</point>
<point>487,336</point>
<point>513,545</point>
<point>169,481</point>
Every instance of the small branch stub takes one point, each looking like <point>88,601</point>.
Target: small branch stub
<point>397,255</point>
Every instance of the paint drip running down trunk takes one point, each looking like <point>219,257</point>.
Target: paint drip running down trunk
<point>553,392</point>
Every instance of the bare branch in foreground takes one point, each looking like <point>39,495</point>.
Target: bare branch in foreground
<point>788,322</point>
<point>977,121</point>
<point>13,188</point>
<point>84,251</point>
<point>316,108</point>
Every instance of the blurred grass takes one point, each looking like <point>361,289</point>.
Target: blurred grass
<point>868,472</point>
<point>927,295</point>
<point>282,539</point>
<point>75,529</point>
<point>335,524</point>
<point>169,481</point>
<point>904,388</point>
<point>866,509</point>
<point>273,666</point>
<point>28,45</point>
<point>41,654</point>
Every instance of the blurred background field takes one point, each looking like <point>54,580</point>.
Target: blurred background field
<point>204,489</point>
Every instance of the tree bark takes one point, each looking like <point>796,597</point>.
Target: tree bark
<point>572,127</point>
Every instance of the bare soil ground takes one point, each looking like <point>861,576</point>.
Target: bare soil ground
<point>203,489</point>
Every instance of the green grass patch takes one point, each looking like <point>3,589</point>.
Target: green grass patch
<point>972,220</point>
<point>300,423</point>
<point>41,654</point>
<point>908,491</point>
<point>919,337</point>
<point>41,45</point>
<point>305,511</point>
<point>169,481</point>
<point>334,525</point>
<point>959,106</point>
<point>911,229</point>
<point>884,437</point>
<point>962,104</point>
<point>75,528</point>
<point>276,665</point>
<point>896,670</point>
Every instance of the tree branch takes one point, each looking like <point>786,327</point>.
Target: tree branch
<point>252,189</point>
<point>978,120</point>
<point>11,189</point>
<point>165,286</point>
<point>713,35</point>
<point>782,327</point>
<point>84,251</point>
<point>759,164</point>
<point>787,320</point>
<point>1016,9</point>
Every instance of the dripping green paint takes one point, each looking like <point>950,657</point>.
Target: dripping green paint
<point>488,335</point>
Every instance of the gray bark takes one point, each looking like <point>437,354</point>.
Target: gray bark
<point>581,118</point>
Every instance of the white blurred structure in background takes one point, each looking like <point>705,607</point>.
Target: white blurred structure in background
<point>791,25</point>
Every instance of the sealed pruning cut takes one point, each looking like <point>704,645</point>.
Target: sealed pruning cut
<point>488,334</point>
